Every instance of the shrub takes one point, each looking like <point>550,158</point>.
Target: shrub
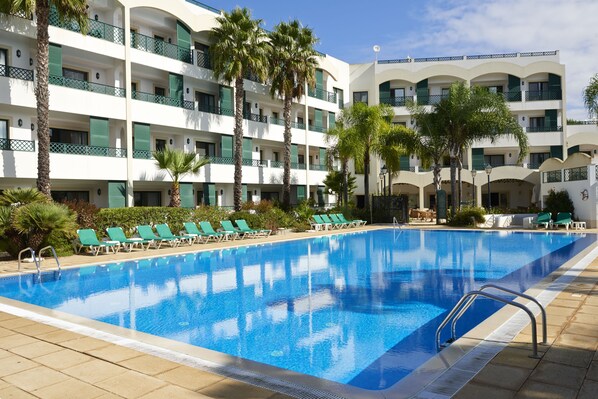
<point>466,217</point>
<point>558,201</point>
<point>129,218</point>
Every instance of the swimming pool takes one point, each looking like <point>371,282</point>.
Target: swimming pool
<point>358,308</point>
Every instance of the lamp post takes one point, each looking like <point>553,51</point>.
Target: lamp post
<point>473,174</point>
<point>488,172</point>
<point>383,171</point>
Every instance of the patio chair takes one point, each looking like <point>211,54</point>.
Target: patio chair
<point>335,219</point>
<point>228,227</point>
<point>208,229</point>
<point>563,219</point>
<point>244,227</point>
<point>319,221</point>
<point>544,218</point>
<point>117,234</point>
<point>357,222</point>
<point>147,233</point>
<point>88,239</point>
<point>335,225</point>
<point>192,230</point>
<point>165,232</point>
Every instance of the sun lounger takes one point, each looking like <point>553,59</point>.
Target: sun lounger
<point>165,233</point>
<point>244,227</point>
<point>117,234</point>
<point>208,229</point>
<point>335,225</point>
<point>228,227</point>
<point>563,219</point>
<point>192,230</point>
<point>335,219</point>
<point>88,239</point>
<point>356,222</point>
<point>318,219</point>
<point>544,218</point>
<point>147,233</point>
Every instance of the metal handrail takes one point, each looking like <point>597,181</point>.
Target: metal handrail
<point>55,258</point>
<point>475,294</point>
<point>32,256</point>
<point>499,288</point>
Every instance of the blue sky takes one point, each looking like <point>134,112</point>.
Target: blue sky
<point>349,29</point>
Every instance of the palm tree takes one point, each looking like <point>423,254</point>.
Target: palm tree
<point>239,49</point>
<point>468,115</point>
<point>292,65</point>
<point>343,145</point>
<point>590,97</point>
<point>367,125</point>
<point>334,181</point>
<point>178,164</point>
<point>390,148</point>
<point>67,10</point>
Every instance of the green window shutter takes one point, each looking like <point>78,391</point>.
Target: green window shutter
<point>55,60</point>
<point>514,88</point>
<point>384,89</point>
<point>226,146</point>
<point>244,193</point>
<point>141,137</point>
<point>319,79</point>
<point>554,85</point>
<point>477,158</point>
<point>294,154</point>
<point>323,156</point>
<point>404,163</point>
<point>331,120</point>
<point>556,151</point>
<point>175,83</point>
<point>183,38</point>
<point>318,119</point>
<point>421,89</point>
<point>321,201</point>
<point>300,194</point>
<point>572,150</point>
<point>116,194</point>
<point>209,194</point>
<point>226,101</point>
<point>99,135</point>
<point>247,148</point>
<point>550,118</point>
<point>186,191</point>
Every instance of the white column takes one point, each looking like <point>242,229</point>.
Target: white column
<point>422,199</point>
<point>129,122</point>
<point>306,120</point>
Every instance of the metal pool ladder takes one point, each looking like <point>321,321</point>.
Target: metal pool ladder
<point>37,260</point>
<point>467,300</point>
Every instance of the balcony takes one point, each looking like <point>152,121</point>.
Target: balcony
<point>542,129</point>
<point>427,99</point>
<point>276,121</point>
<point>160,47</point>
<point>319,129</point>
<point>323,168</point>
<point>87,86</point>
<point>255,117</point>
<point>231,161</point>
<point>298,125</point>
<point>142,154</point>
<point>546,95</point>
<point>100,30</point>
<point>280,164</point>
<point>203,60</point>
<point>78,149</point>
<point>16,73</point>
<point>512,96</point>
<point>396,101</point>
<point>158,99</point>
<point>322,94</point>
<point>17,145</point>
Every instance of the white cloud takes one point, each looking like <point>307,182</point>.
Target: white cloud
<point>458,27</point>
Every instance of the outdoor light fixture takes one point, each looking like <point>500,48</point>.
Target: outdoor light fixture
<point>20,122</point>
<point>188,140</point>
<point>96,17</point>
<point>19,53</point>
<point>30,61</point>
<point>99,191</point>
<point>473,175</point>
<point>383,172</point>
<point>488,172</point>
<point>187,90</point>
<point>170,141</point>
<point>97,75</point>
<point>32,127</point>
<point>509,155</point>
<point>221,192</point>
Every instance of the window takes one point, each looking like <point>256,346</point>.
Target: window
<point>300,120</point>
<point>300,158</point>
<point>160,145</point>
<point>339,97</point>
<point>536,159</point>
<point>3,62</point>
<point>158,44</point>
<point>205,149</point>
<point>74,74</point>
<point>445,92</point>
<point>538,91</point>
<point>397,93</point>
<point>494,160</point>
<point>205,102</point>
<point>3,129</point>
<point>66,136</point>
<point>360,97</point>
<point>60,196</point>
<point>536,124</point>
<point>494,89</point>
<point>159,91</point>
<point>203,55</point>
<point>400,124</point>
<point>275,155</point>
<point>147,198</point>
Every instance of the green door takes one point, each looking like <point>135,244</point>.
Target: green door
<point>141,137</point>
<point>384,89</point>
<point>175,83</point>
<point>247,148</point>
<point>421,88</point>
<point>226,146</point>
<point>116,194</point>
<point>183,37</point>
<point>98,132</point>
<point>186,191</point>
<point>226,101</point>
<point>209,194</point>
<point>294,155</point>
<point>477,158</point>
<point>55,60</point>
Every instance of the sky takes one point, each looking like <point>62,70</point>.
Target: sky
<point>348,30</point>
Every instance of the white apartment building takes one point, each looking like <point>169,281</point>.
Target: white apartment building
<point>141,80</point>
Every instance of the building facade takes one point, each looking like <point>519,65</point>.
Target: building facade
<point>141,80</point>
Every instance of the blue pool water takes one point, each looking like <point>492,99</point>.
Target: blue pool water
<point>359,308</point>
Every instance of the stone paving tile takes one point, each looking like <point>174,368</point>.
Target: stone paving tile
<point>69,389</point>
<point>174,392</point>
<point>94,371</point>
<point>566,303</point>
<point>517,357</point>
<point>36,349</point>
<point>59,336</point>
<point>5,331</point>
<point>114,353</point>
<point>190,378</point>
<point>15,323</point>
<point>14,364</point>
<point>588,309</point>
<point>553,373</point>
<point>553,320</point>
<point>36,378</point>
<point>233,389</point>
<point>538,390</point>
<point>477,391</point>
<point>148,364</point>
<point>62,359</point>
<point>582,329</point>
<point>592,373</point>
<point>15,393</point>
<point>508,378</point>
<point>35,329</point>
<point>589,390</point>
<point>131,384</point>
<point>559,311</point>
<point>12,341</point>
<point>577,341</point>
<point>85,344</point>
<point>569,356</point>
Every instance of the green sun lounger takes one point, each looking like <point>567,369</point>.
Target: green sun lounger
<point>147,233</point>
<point>342,224</point>
<point>544,218</point>
<point>88,239</point>
<point>117,234</point>
<point>356,222</point>
<point>228,227</point>
<point>192,230</point>
<point>244,227</point>
<point>320,223</point>
<point>563,219</point>
<point>164,232</point>
<point>335,225</point>
<point>208,229</point>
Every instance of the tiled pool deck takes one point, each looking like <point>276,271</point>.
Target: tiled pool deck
<point>42,361</point>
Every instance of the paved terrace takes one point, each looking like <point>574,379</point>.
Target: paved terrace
<point>41,361</point>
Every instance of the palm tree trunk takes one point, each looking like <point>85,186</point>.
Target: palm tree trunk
<point>42,95</point>
<point>453,184</point>
<point>438,184</point>
<point>389,182</point>
<point>366,178</point>
<point>175,195</point>
<point>345,182</point>
<point>286,177</point>
<point>459,183</point>
<point>238,146</point>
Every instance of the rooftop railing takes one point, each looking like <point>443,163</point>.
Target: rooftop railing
<point>79,149</point>
<point>87,86</point>
<point>100,30</point>
<point>160,47</point>
<point>16,73</point>
<point>158,99</point>
<point>204,6</point>
<point>17,145</point>
<point>469,57</point>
